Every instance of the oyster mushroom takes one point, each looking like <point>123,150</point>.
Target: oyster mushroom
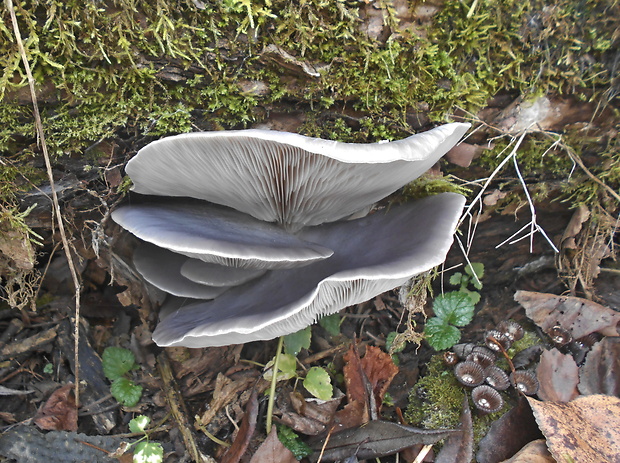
<point>370,256</point>
<point>286,178</point>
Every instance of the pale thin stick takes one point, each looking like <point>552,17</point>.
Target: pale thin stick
<point>56,206</point>
<point>427,448</point>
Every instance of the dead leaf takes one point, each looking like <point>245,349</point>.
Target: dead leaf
<point>375,439</point>
<point>534,452</point>
<point>380,371</point>
<point>508,434</point>
<point>558,376</point>
<point>574,227</point>
<point>578,316</point>
<point>586,430</point>
<point>59,412</point>
<point>463,153</point>
<point>246,431</point>
<point>600,374</point>
<point>273,451</point>
<point>493,197</point>
<point>306,415</point>
<point>459,447</point>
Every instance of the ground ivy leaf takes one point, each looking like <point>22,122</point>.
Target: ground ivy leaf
<point>456,279</point>
<point>441,335</point>
<point>295,342</point>
<point>455,308</point>
<point>148,452</point>
<point>287,368</point>
<point>475,268</point>
<point>126,392</point>
<point>139,423</point>
<point>331,323</point>
<point>318,383</point>
<point>116,362</point>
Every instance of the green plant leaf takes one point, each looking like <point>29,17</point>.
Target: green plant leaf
<point>389,342</point>
<point>287,368</point>
<point>117,361</point>
<point>295,342</point>
<point>440,335</point>
<point>139,423</point>
<point>455,280</point>
<point>291,441</point>
<point>148,452</point>
<point>455,308</point>
<point>318,383</point>
<point>126,392</point>
<point>475,268</point>
<point>331,323</point>
<point>473,295</point>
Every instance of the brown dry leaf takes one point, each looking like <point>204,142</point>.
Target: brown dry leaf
<point>574,227</point>
<point>600,374</point>
<point>578,316</point>
<point>306,415</point>
<point>463,153</point>
<point>246,431</point>
<point>534,452</point>
<point>59,412</point>
<point>380,371</point>
<point>273,451</point>
<point>586,430</point>
<point>509,434</point>
<point>558,376</point>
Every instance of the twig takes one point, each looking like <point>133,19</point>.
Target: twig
<point>274,381</point>
<point>56,205</point>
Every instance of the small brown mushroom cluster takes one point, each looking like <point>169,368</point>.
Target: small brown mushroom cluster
<point>474,367</point>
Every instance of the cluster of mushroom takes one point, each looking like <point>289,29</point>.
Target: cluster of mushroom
<point>474,366</point>
<point>255,234</point>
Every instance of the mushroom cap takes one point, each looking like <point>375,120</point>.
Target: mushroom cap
<point>162,268</point>
<point>209,274</point>
<point>284,177</point>
<point>371,255</point>
<point>486,399</point>
<point>496,378</point>
<point>511,329</point>
<point>482,358</point>
<point>469,373</point>
<point>216,234</point>
<point>525,381</point>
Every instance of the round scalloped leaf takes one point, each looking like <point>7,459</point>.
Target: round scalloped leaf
<point>455,308</point>
<point>318,383</point>
<point>440,335</point>
<point>117,361</point>
<point>126,392</point>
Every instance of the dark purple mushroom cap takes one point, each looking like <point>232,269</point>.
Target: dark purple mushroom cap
<point>283,177</point>
<point>486,399</point>
<point>469,373</point>
<point>371,255</point>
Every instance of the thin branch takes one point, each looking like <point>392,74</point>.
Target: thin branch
<point>56,206</point>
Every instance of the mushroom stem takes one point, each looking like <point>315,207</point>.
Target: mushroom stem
<point>274,381</point>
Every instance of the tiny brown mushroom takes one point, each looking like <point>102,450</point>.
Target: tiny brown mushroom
<point>450,358</point>
<point>511,329</point>
<point>463,349</point>
<point>524,381</point>
<point>486,399</point>
<point>483,357</point>
<point>494,337</point>
<point>469,374</point>
<point>496,378</point>
<point>559,336</point>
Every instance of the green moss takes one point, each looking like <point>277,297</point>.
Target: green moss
<point>436,401</point>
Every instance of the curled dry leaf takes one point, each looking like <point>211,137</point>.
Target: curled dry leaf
<point>586,430</point>
<point>59,412</point>
<point>558,376</point>
<point>578,316</point>
<point>246,431</point>
<point>574,227</point>
<point>459,447</point>
<point>600,374</point>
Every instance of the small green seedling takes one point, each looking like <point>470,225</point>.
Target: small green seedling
<point>291,441</point>
<point>472,276</point>
<point>117,363</point>
<point>452,310</point>
<point>145,451</point>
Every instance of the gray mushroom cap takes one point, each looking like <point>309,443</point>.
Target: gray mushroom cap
<point>371,255</point>
<point>217,275</point>
<point>283,177</point>
<point>216,234</point>
<point>162,268</point>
